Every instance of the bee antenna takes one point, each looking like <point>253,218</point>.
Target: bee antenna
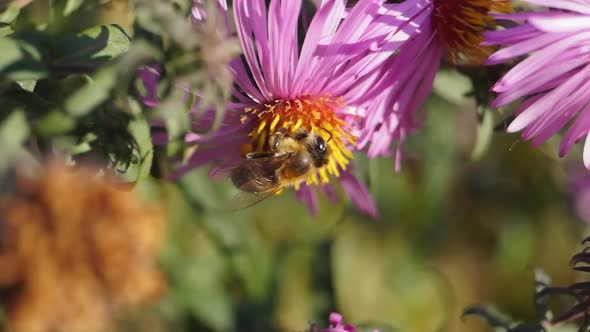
<point>329,133</point>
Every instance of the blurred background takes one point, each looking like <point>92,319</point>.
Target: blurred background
<point>470,217</point>
<point>453,232</point>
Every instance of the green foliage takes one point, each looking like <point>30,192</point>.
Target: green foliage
<point>14,130</point>
<point>75,87</point>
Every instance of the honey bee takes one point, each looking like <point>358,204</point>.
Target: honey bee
<point>289,161</point>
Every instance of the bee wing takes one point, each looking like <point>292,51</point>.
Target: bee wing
<point>260,181</point>
<point>225,170</point>
<point>244,199</point>
<point>259,174</point>
<point>222,171</point>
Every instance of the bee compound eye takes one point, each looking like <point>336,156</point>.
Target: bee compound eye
<point>321,144</point>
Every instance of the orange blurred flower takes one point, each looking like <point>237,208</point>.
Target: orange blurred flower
<point>75,251</point>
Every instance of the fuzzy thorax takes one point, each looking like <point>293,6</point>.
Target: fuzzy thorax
<point>315,115</point>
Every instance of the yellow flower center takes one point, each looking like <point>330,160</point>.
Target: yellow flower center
<point>459,25</point>
<point>315,115</point>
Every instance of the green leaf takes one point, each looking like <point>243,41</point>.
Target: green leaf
<point>452,86</point>
<point>485,131</point>
<point>92,94</point>
<point>20,60</point>
<point>13,133</point>
<point>140,130</point>
<point>72,5</point>
<point>5,30</point>
<point>28,85</point>
<point>9,14</point>
<point>91,48</point>
<point>54,123</point>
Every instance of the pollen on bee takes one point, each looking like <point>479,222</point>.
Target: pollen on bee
<point>317,115</point>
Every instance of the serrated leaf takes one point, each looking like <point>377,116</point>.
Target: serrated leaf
<point>20,60</point>
<point>90,48</point>
<point>13,133</point>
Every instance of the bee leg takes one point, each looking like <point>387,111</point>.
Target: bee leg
<point>277,138</point>
<point>256,155</point>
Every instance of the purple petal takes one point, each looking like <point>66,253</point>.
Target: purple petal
<point>561,22</point>
<point>359,194</point>
<point>250,18</point>
<point>571,5</point>
<point>548,101</point>
<point>324,23</point>
<point>307,195</point>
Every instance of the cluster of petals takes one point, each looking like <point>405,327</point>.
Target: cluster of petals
<point>342,56</point>
<point>554,78</point>
<point>377,60</point>
<point>406,58</point>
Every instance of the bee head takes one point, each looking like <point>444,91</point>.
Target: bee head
<point>319,151</point>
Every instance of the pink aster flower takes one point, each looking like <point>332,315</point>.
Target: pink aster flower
<point>337,325</point>
<point>279,86</point>
<point>411,39</point>
<point>554,78</point>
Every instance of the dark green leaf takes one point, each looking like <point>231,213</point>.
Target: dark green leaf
<point>90,48</point>
<point>20,60</point>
